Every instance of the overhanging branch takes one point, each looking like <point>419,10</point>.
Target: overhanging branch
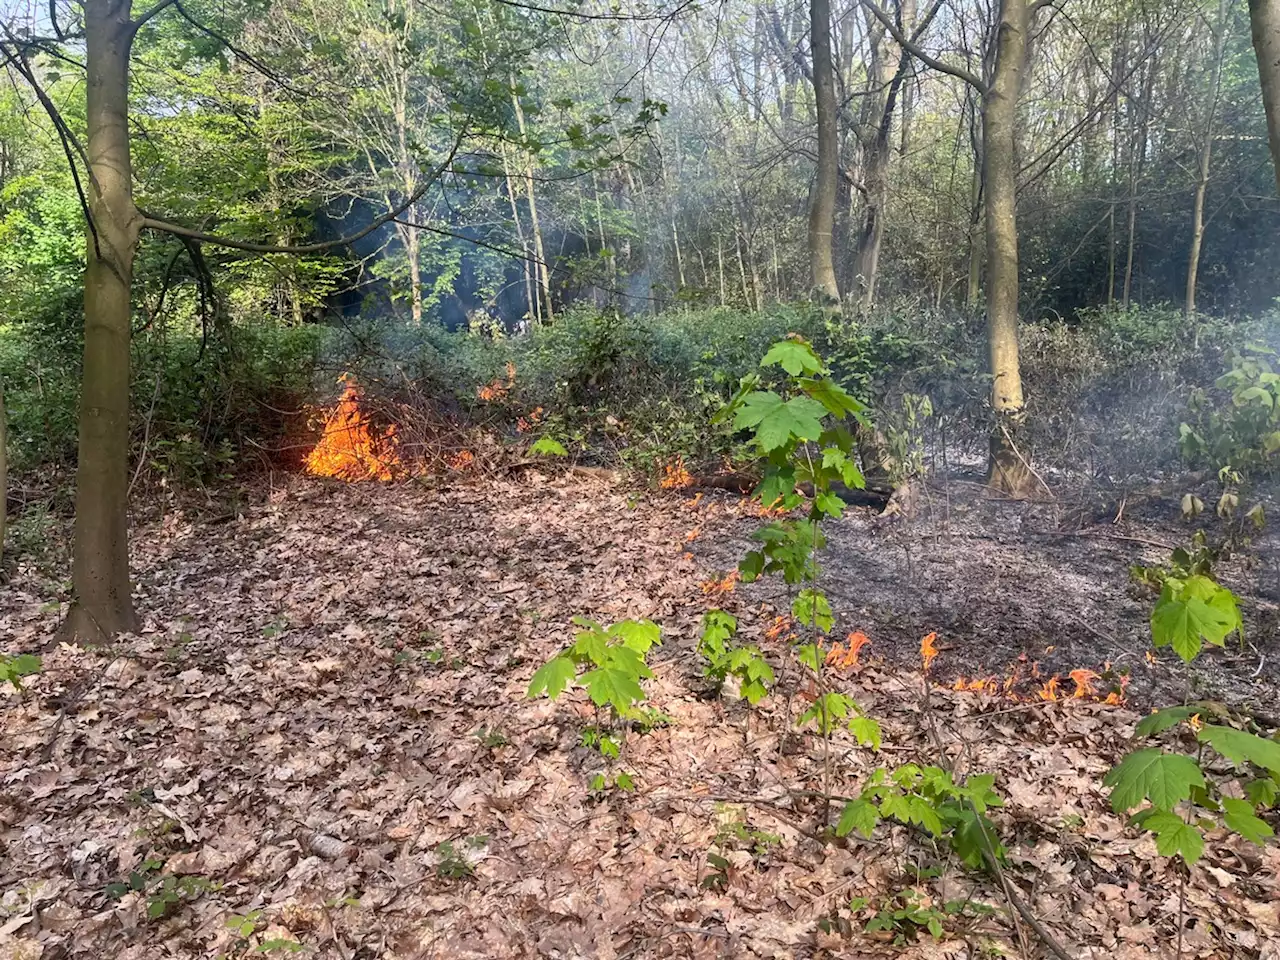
<point>153,223</point>
<point>916,51</point>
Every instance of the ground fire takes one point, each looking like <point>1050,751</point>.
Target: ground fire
<point>351,448</point>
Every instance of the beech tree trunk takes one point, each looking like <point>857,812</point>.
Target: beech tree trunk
<point>1264,16</point>
<point>102,604</point>
<point>822,208</point>
<point>1008,470</point>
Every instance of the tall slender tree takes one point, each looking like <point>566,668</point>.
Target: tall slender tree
<point>1264,17</point>
<point>1008,469</point>
<point>822,202</point>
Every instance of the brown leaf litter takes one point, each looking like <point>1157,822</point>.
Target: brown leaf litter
<point>331,687</point>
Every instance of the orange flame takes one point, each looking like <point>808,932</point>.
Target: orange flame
<point>461,460</point>
<point>675,476</point>
<point>525,424</point>
<point>928,651</point>
<point>495,389</point>
<point>349,449</point>
<point>720,585</point>
<point>977,684</point>
<point>1013,689</point>
<point>846,658</point>
<point>779,627</point>
<point>1083,680</point>
<point>1050,690</point>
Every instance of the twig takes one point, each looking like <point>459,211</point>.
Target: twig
<point>1025,462</point>
<point>993,864</point>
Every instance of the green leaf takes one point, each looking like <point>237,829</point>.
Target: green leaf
<point>611,686</point>
<point>777,421</point>
<point>1161,720</point>
<point>778,482</point>
<point>751,566</point>
<point>972,837</point>
<point>1239,817</point>
<point>718,626</point>
<point>1239,747</point>
<point>1163,778</point>
<point>811,608</point>
<point>794,356</point>
<point>866,731</point>
<point>1174,835</point>
<point>552,677</point>
<point>828,503</point>
<point>858,815</point>
<point>1262,792</point>
<point>838,401</point>
<point>639,635</point>
<point>1190,612</point>
<point>549,446</point>
<point>753,691</point>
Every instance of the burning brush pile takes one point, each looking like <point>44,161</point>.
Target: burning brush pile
<point>418,439</point>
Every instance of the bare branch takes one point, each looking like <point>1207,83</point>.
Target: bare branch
<point>152,223</point>
<point>916,51</point>
<point>148,14</point>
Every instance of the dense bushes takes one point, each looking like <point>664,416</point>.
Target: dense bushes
<point>195,401</point>
<point>1105,393</point>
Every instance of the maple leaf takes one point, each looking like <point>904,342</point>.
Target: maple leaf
<point>1239,817</point>
<point>548,446</point>
<point>811,608</point>
<point>1160,720</point>
<point>866,731</point>
<point>612,686</point>
<point>837,400</point>
<point>1239,747</point>
<point>1191,612</point>
<point>1163,778</point>
<point>860,815</point>
<point>777,421</point>
<point>639,635</point>
<point>794,356</point>
<point>1175,835</point>
<point>552,677</point>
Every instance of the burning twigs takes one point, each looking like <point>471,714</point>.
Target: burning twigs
<point>420,439</point>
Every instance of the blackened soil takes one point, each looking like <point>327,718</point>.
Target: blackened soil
<point>1043,587</point>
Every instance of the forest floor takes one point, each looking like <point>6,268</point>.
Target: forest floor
<point>320,737</point>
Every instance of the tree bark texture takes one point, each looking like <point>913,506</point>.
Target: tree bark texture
<point>102,605</point>
<point>822,208</point>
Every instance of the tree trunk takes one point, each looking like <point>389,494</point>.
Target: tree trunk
<point>1008,470</point>
<point>413,250</point>
<point>102,605</point>
<point>1202,167</point>
<point>541,267</point>
<point>1264,15</point>
<point>1197,230</point>
<point>973,291</point>
<point>1136,166</point>
<point>822,210</point>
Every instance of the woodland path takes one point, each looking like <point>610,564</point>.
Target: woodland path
<point>330,687</point>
